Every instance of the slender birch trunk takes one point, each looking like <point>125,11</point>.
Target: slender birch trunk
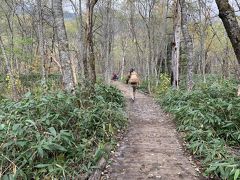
<point>89,40</point>
<point>63,47</point>
<point>41,40</point>
<point>176,44</point>
<point>9,69</point>
<point>188,43</point>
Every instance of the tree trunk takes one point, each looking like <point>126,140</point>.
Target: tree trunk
<point>10,59</point>
<point>149,60</point>
<point>89,40</point>
<point>168,62</point>
<point>225,62</point>
<point>10,73</point>
<point>202,60</point>
<point>165,53</point>
<point>238,4</point>
<point>124,46</point>
<point>41,40</point>
<point>107,40</point>
<point>238,92</point>
<point>81,50</point>
<point>227,14</point>
<point>139,51</point>
<point>63,47</point>
<point>176,44</point>
<point>188,43</point>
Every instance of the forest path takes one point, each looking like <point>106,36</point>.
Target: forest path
<point>150,148</point>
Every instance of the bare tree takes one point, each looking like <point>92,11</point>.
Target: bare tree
<point>63,47</point>
<point>202,27</point>
<point>238,4</point>
<point>176,43</point>
<point>9,69</point>
<point>82,51</point>
<point>82,61</point>
<point>107,34</point>
<point>89,40</point>
<point>227,14</point>
<point>9,57</point>
<point>188,42</point>
<point>136,41</point>
<point>41,40</point>
<point>124,48</point>
<point>145,9</point>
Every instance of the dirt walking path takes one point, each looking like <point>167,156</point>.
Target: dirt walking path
<point>150,148</point>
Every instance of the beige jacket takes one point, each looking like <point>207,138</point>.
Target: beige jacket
<point>134,78</point>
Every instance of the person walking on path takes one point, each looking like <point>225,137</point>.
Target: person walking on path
<point>133,80</point>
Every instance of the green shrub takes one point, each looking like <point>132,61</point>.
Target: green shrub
<point>164,85</point>
<point>54,135</point>
<point>143,86</point>
<point>209,116</point>
<point>110,94</point>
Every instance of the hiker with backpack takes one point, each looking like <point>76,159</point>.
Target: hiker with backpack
<point>133,80</point>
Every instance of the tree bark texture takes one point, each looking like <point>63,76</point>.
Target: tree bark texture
<point>81,49</point>
<point>9,69</point>
<point>41,40</point>
<point>227,14</point>
<point>63,47</point>
<point>132,27</point>
<point>176,44</point>
<point>107,41</point>
<point>188,43</point>
<point>89,40</point>
<point>124,45</point>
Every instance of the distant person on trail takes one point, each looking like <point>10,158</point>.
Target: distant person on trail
<point>133,80</point>
<point>114,77</point>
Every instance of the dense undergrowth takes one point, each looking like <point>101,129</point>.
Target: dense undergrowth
<point>209,117</point>
<point>156,88</point>
<point>57,134</point>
